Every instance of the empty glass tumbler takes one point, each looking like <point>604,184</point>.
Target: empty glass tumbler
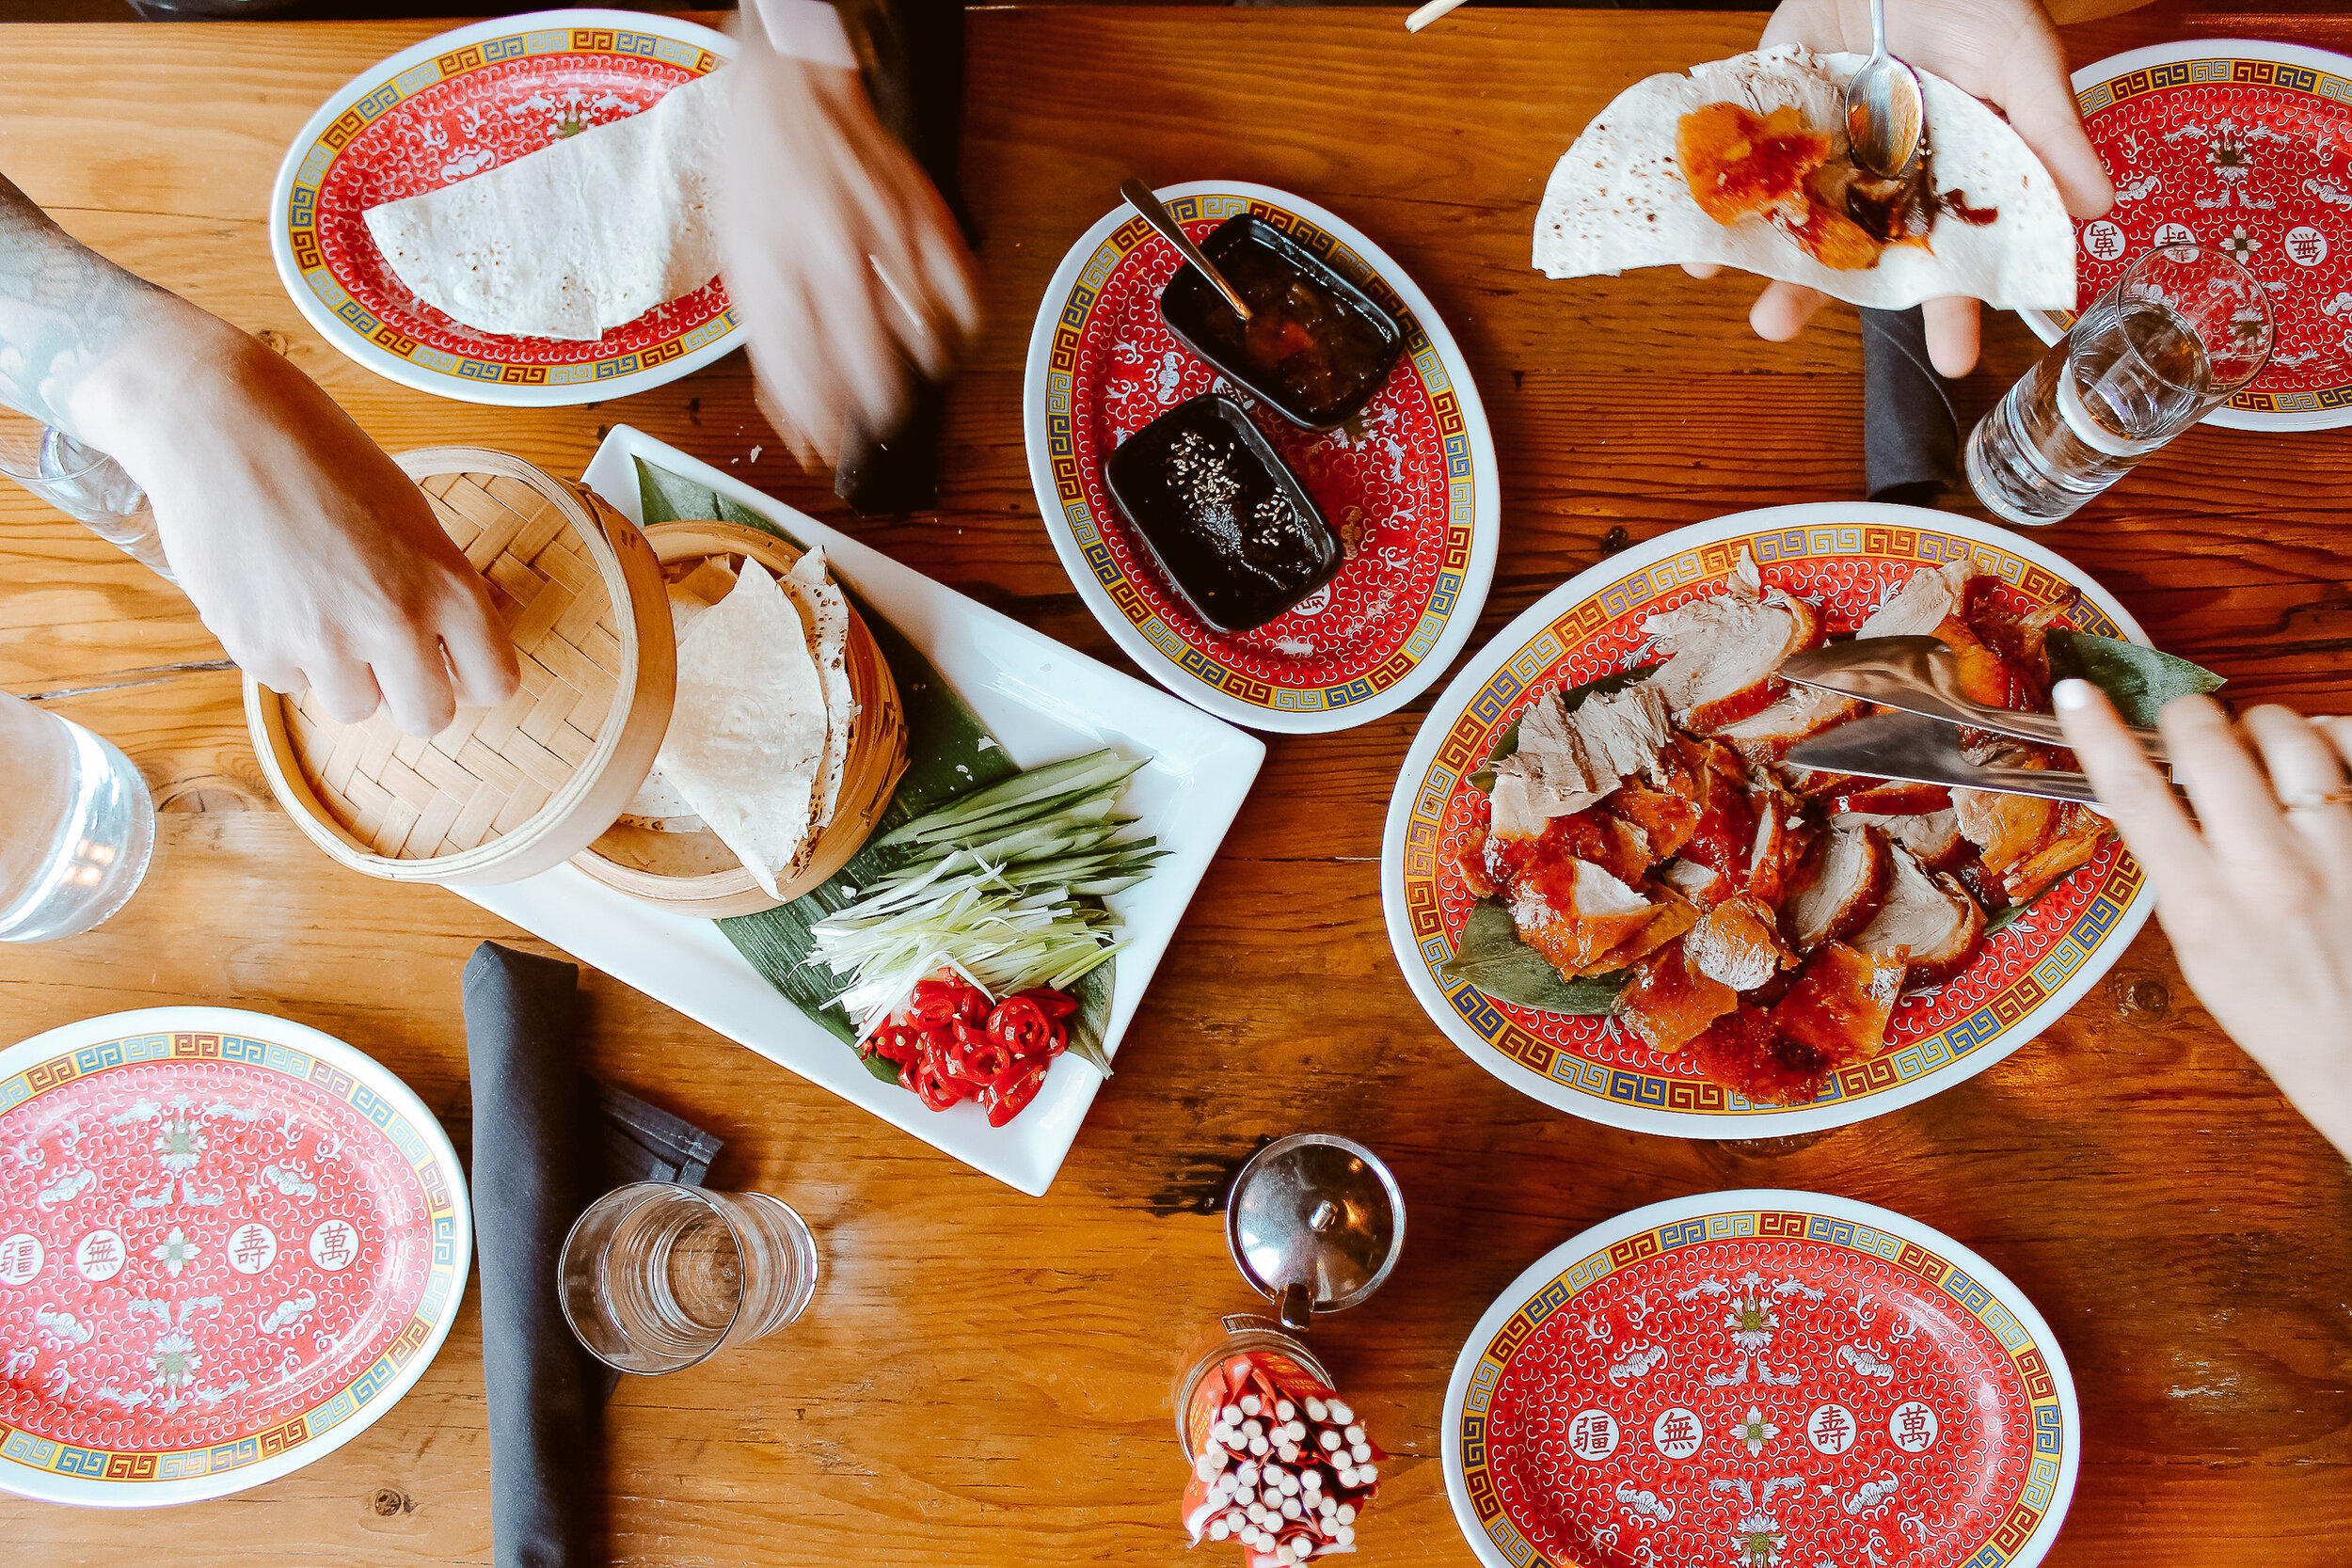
<point>657,1276</point>
<point>77,826</point>
<point>83,483</point>
<point>2183,329</point>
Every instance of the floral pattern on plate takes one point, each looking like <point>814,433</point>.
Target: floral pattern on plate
<point>216,1248</point>
<point>1762,1380</point>
<point>478,104</point>
<point>1592,627</point>
<point>1399,485</point>
<point>2246,147</point>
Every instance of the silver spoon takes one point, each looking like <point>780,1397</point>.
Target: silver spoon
<point>1139,196</point>
<point>1885,113</point>
<point>1919,674</point>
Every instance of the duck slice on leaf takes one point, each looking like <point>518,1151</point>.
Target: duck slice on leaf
<point>1585,921</point>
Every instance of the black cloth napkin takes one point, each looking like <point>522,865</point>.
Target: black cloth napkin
<point>1910,427</point>
<point>547,1140</point>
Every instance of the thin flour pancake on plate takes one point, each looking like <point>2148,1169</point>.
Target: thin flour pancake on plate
<point>746,743</point>
<point>577,238</point>
<point>1745,161</point>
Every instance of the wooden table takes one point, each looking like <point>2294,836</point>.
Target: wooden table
<point>985,1377</point>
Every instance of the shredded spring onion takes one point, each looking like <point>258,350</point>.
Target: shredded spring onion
<point>1003,885</point>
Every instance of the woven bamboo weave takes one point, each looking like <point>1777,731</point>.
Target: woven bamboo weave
<point>492,768</point>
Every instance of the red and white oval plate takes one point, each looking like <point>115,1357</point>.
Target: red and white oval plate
<point>2246,146</point>
<point>1843,558</point>
<point>1409,487</point>
<point>1761,1380</point>
<point>446,110</point>
<point>228,1243</point>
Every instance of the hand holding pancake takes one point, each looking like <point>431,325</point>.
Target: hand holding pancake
<point>841,258</point>
<point>2258,902</point>
<point>309,553</point>
<point>2004,52</point>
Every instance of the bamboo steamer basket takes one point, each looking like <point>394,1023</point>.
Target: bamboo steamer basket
<point>696,873</point>
<point>508,792</point>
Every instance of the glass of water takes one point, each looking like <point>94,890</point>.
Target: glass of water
<point>657,1276</point>
<point>2181,331</point>
<point>83,483</point>
<point>77,826</point>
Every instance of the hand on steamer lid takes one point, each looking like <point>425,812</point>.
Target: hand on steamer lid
<point>309,553</point>
<point>2005,52</point>
<point>841,258</point>
<point>2256,893</point>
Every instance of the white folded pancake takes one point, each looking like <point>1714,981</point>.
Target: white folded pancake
<point>1617,198</point>
<point>746,745</point>
<point>576,238</point>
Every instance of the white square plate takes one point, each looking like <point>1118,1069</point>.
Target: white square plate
<point>1041,702</point>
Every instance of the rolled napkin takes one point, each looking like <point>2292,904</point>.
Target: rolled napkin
<point>547,1141</point>
<point>1910,428</point>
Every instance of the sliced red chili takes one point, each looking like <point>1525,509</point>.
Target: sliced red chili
<point>1008,1101</point>
<point>1056,1004</point>
<point>896,1043</point>
<point>1022,1026</point>
<point>938,1092</point>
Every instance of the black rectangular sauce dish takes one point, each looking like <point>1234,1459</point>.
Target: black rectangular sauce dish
<point>1316,348</point>
<point>1220,511</point>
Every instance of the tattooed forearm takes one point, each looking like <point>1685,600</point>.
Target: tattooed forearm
<point>63,310</point>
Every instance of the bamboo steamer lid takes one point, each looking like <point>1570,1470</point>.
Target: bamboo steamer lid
<point>696,873</point>
<point>503,793</point>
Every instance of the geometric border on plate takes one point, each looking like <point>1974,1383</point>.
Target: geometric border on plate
<point>48,1470</point>
<point>1475,510</point>
<point>1556,1278</point>
<point>2319,72</point>
<point>1679,1107</point>
<point>381,346</point>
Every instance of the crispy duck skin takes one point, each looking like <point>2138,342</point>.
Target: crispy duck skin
<point>1841,1003</point>
<point>1738,943</point>
<point>2074,838</point>
<point>1839,887</point>
<point>1890,797</point>
<point>1745,1053</point>
<point>1585,921</point>
<point>1666,820</point>
<point>1669,1004</point>
<point>1594,834</point>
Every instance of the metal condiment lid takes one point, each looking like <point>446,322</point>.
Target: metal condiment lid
<point>1315,1223</point>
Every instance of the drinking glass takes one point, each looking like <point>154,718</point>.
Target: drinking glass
<point>83,483</point>
<point>2183,329</point>
<point>77,827</point>
<point>657,1276</point>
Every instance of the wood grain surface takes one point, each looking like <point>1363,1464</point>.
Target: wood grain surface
<point>985,1378</point>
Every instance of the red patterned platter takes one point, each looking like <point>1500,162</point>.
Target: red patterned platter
<point>228,1243</point>
<point>1409,486</point>
<point>2247,146</point>
<point>1761,1380</point>
<point>1844,559</point>
<point>444,111</point>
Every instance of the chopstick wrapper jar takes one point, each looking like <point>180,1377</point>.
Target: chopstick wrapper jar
<point>1910,428</point>
<point>547,1141</point>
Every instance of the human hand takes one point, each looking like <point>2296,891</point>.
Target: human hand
<point>309,553</point>
<point>2004,52</point>
<point>840,257</point>
<point>2259,903</point>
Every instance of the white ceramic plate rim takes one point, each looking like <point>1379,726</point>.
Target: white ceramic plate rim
<point>50,1487</point>
<point>1687,1124</point>
<point>1486,519</point>
<point>2045,325</point>
<point>407,373</point>
<point>1608,1232</point>
<point>1043,701</point>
